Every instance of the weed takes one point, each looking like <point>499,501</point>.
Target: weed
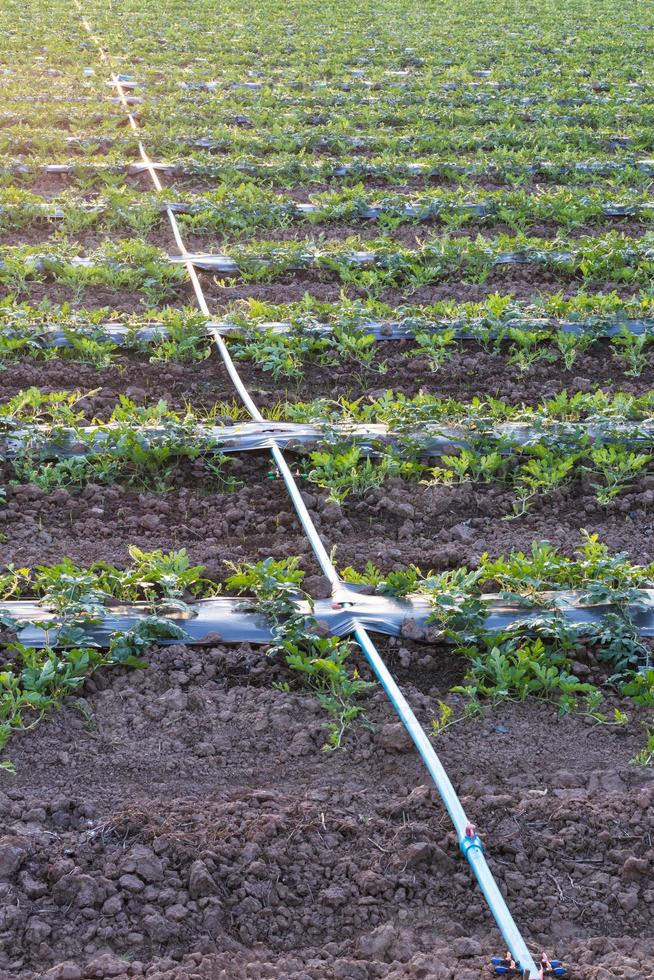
<point>444,721</point>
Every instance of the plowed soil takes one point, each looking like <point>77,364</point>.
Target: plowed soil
<point>401,523</point>
<point>469,373</point>
<point>182,822</point>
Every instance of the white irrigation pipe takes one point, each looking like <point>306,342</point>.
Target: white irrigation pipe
<point>469,842</point>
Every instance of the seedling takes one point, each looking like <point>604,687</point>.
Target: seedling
<point>349,471</point>
<point>470,466</point>
<point>630,348</point>
<point>436,347</point>
<point>570,345</point>
<point>527,348</point>
<point>321,660</point>
<point>544,472</point>
<point>646,755</point>
<point>357,346</point>
<point>323,665</point>
<point>618,467</point>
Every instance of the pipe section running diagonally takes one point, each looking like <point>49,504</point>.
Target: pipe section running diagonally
<point>469,841</point>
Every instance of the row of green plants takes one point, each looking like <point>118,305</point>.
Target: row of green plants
<point>36,680</point>
<point>141,446</point>
<point>372,266</point>
<point>408,88</point>
<point>325,334</point>
<point>246,208</point>
<point>61,411</point>
<point>480,414</point>
<point>85,173</point>
<point>605,440</point>
<point>380,263</point>
<point>532,659</point>
<point>128,265</point>
<point>585,131</point>
<point>411,85</point>
<point>411,91</point>
<point>592,312</point>
<point>532,472</point>
<point>602,439</point>
<point>24,333</point>
<point>287,355</point>
<point>369,265</point>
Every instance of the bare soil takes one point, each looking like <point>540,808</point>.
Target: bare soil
<point>48,233</point>
<point>101,522</point>
<point>181,822</point>
<point>397,524</point>
<point>469,373</point>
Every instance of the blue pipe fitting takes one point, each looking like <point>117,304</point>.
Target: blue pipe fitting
<point>466,844</point>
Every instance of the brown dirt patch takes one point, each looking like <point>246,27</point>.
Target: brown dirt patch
<point>468,373</point>
<point>398,524</point>
<point>182,821</point>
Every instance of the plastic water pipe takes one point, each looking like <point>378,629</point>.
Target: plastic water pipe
<point>471,846</point>
<point>469,842</point>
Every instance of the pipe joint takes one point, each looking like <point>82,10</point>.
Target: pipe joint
<point>469,843</point>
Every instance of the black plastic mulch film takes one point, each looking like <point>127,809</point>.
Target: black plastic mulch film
<point>426,439</point>
<point>227,620</point>
<point>382,330</point>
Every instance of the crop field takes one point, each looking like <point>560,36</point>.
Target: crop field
<point>326,371</point>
